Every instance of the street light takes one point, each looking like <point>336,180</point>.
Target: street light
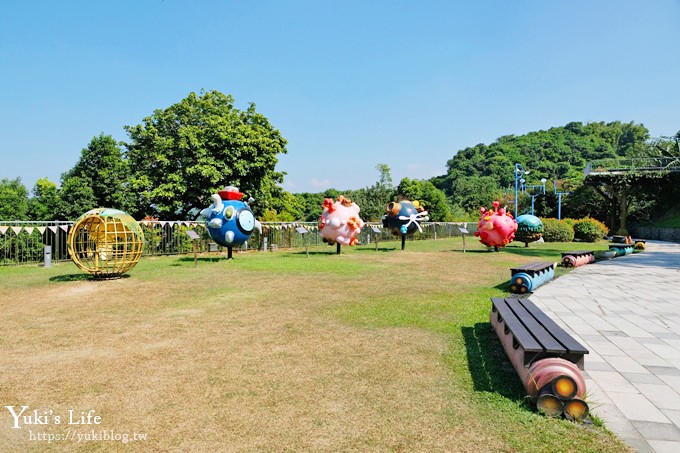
<point>543,181</point>
<point>519,172</point>
<point>559,200</point>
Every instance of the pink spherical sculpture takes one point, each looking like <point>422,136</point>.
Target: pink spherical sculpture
<point>496,228</point>
<point>339,222</point>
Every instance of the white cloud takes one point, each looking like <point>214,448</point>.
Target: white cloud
<point>320,183</point>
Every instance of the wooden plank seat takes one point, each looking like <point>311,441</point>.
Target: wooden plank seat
<point>577,258</point>
<point>527,277</point>
<point>531,334</point>
<point>549,362</point>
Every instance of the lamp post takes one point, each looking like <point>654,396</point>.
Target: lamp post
<point>559,200</point>
<point>519,172</point>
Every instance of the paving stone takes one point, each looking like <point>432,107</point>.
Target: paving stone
<point>672,415</point>
<point>591,365</point>
<point>664,370</point>
<point>665,351</point>
<point>658,431</point>
<point>611,381</point>
<point>637,408</point>
<point>625,364</point>
<point>672,381</point>
<point>653,340</point>
<point>663,446</point>
<point>605,348</point>
<point>639,444</point>
<point>642,378</point>
<point>661,395</point>
<point>615,420</point>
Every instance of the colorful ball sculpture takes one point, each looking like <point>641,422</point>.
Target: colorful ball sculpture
<point>529,229</point>
<point>105,242</point>
<point>404,217</point>
<point>496,228</point>
<point>340,222</point>
<point>229,220</point>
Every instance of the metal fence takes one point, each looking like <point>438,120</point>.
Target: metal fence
<point>23,242</point>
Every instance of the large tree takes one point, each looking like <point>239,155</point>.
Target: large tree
<point>432,199</point>
<point>45,202</point>
<point>13,200</point>
<point>182,154</point>
<point>373,200</point>
<point>103,169</point>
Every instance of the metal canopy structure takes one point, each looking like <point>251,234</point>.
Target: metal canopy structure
<point>615,166</point>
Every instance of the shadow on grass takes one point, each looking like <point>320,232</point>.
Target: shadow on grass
<point>202,259</point>
<point>380,249</point>
<point>490,369</point>
<point>82,277</point>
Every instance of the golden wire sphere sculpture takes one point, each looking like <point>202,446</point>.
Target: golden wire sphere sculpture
<point>105,242</point>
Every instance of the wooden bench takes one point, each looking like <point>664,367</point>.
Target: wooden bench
<point>577,258</point>
<point>622,249</point>
<point>548,360</point>
<point>534,335</point>
<point>528,277</point>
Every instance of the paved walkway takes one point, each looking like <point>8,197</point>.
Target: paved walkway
<point>626,311</point>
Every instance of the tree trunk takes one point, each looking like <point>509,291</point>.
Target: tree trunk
<point>622,198</point>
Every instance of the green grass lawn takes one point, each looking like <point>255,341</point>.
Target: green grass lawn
<point>385,350</point>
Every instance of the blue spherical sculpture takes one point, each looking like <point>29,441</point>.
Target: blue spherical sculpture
<point>229,220</point>
<point>403,217</point>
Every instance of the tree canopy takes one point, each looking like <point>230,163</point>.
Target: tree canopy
<point>478,175</point>
<point>182,154</point>
<point>13,200</point>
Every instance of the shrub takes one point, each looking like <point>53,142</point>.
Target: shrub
<point>589,229</point>
<point>557,231</point>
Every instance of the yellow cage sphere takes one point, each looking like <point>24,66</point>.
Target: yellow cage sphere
<point>105,242</point>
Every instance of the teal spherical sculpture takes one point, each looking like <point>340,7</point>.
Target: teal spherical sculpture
<point>529,229</point>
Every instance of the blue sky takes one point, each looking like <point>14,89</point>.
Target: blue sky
<point>349,84</point>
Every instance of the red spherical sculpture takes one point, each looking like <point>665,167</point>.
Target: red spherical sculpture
<point>496,228</point>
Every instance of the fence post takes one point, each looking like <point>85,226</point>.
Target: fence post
<point>48,256</point>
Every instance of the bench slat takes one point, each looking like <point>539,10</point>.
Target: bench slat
<point>577,253</point>
<point>543,336</point>
<point>522,335</point>
<point>560,334</point>
<point>531,268</point>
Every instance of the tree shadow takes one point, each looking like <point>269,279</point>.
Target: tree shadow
<point>490,369</point>
<point>533,252</point>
